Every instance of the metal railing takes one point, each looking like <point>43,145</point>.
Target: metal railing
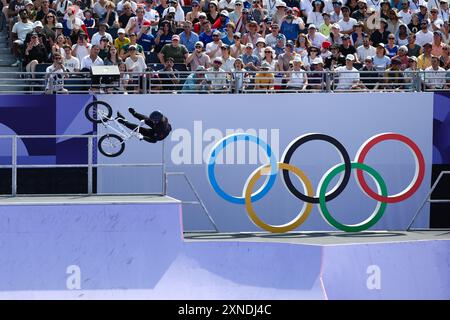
<point>164,82</point>
<point>14,166</point>
<point>429,200</point>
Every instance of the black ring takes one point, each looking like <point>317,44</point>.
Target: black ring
<point>295,145</point>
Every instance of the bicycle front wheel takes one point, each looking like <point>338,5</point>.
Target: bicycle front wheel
<point>111,145</point>
<point>96,111</point>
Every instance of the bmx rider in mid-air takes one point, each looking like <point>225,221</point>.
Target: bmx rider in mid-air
<point>158,123</point>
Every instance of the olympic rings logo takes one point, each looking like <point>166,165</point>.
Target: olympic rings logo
<point>322,196</point>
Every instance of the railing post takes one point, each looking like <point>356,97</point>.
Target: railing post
<point>90,155</point>
<point>14,167</point>
<point>328,81</point>
<point>164,182</point>
<point>144,83</point>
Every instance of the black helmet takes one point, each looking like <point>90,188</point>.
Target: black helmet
<point>156,116</point>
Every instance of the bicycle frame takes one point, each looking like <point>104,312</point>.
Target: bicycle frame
<point>120,129</point>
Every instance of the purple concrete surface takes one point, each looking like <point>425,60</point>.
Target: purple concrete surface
<point>136,251</point>
<point>405,270</point>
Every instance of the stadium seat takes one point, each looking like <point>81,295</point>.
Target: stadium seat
<point>151,57</point>
<point>155,66</point>
<point>113,32</point>
<point>91,32</point>
<point>187,9</point>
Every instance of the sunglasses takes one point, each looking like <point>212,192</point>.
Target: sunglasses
<point>267,51</point>
<point>198,47</point>
<point>217,62</point>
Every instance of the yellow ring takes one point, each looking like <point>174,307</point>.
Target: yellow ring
<point>294,223</point>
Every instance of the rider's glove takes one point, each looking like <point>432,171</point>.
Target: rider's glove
<point>131,110</point>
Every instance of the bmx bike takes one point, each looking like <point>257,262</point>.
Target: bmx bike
<point>111,144</point>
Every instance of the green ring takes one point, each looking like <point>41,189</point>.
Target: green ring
<point>356,227</point>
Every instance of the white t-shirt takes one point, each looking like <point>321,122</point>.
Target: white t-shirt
<point>71,64</point>
<point>406,16</point>
<point>55,79</point>
<point>82,51</point>
<point>318,39</point>
<point>136,66</point>
<point>151,15</point>
<point>121,3</point>
<point>363,52</point>
<point>179,13</point>
<point>211,47</point>
<point>298,79</point>
<point>271,40</point>
<point>436,78</point>
<point>346,77</point>
<point>22,29</point>
<point>97,36</point>
<point>424,37</point>
<point>347,25</point>
<point>228,64</point>
<point>88,63</point>
<point>224,4</point>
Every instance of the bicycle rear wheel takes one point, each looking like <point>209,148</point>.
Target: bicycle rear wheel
<point>111,145</point>
<point>96,111</point>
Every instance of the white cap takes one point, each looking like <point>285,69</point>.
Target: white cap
<point>280,4</point>
<point>335,25</point>
<point>350,57</point>
<point>121,30</point>
<point>171,10</point>
<point>224,13</point>
<point>37,24</point>
<point>297,59</point>
<point>261,39</point>
<point>317,61</point>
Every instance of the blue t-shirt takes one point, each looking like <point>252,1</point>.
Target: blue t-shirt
<point>290,30</point>
<point>89,22</point>
<point>381,63</point>
<point>392,51</point>
<point>147,41</point>
<point>227,41</point>
<point>205,38</point>
<point>189,43</point>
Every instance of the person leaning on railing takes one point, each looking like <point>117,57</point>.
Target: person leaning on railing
<point>297,79</point>
<point>55,76</point>
<point>264,80</point>
<point>196,82</point>
<point>435,76</point>
<point>394,77</point>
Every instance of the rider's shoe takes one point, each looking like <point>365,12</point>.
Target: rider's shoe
<point>120,116</point>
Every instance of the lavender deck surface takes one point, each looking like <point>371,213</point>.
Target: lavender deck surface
<point>133,248</point>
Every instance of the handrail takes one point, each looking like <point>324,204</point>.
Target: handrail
<point>230,82</point>
<point>14,166</point>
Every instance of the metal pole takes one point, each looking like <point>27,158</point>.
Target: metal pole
<point>201,202</point>
<point>14,167</point>
<point>90,155</point>
<point>427,198</point>
<point>163,166</point>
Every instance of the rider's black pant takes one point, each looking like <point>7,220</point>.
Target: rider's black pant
<point>146,132</point>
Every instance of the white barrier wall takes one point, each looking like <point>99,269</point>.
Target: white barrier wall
<point>199,121</point>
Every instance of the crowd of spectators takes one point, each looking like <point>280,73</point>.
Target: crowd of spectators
<point>265,44</point>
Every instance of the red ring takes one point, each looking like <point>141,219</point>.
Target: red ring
<point>391,136</point>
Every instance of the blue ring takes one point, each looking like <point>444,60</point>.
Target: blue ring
<point>220,145</point>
